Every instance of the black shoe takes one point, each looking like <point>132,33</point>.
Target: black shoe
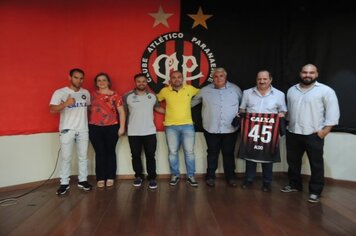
<point>152,184</point>
<point>137,182</point>
<point>191,180</point>
<point>314,198</point>
<point>232,183</point>
<point>62,189</point>
<point>289,189</point>
<point>266,187</point>
<point>210,182</point>
<point>85,185</point>
<point>174,180</point>
<point>246,184</point>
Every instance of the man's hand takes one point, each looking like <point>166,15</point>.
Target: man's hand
<point>322,133</point>
<point>58,108</point>
<point>70,101</point>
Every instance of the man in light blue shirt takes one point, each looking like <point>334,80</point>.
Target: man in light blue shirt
<point>312,110</point>
<point>220,105</point>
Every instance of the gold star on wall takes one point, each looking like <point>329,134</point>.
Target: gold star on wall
<point>199,18</point>
<point>160,17</point>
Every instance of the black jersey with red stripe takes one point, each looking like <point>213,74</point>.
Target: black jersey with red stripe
<point>260,137</point>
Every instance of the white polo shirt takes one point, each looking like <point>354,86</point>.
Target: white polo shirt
<point>140,113</point>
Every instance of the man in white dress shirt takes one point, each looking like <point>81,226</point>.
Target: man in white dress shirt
<point>313,110</point>
<point>262,99</point>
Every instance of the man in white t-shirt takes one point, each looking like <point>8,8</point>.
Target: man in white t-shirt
<point>141,130</point>
<point>72,103</point>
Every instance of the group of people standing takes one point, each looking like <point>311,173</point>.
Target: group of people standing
<point>312,111</point>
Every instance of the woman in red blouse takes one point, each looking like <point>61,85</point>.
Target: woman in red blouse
<point>106,124</point>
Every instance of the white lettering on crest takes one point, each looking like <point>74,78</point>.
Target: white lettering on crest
<point>262,119</point>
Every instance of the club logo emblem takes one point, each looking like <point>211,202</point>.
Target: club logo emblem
<point>177,51</point>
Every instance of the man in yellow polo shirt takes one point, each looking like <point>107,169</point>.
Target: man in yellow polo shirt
<point>179,125</point>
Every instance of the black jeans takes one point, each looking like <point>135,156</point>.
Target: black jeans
<point>267,171</point>
<point>104,140</point>
<point>226,144</point>
<point>313,146</point>
<point>148,143</point>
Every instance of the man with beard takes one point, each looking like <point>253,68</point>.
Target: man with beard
<point>141,130</point>
<point>312,112</point>
<point>72,103</point>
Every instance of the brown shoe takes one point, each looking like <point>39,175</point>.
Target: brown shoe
<point>100,184</point>
<point>109,183</point>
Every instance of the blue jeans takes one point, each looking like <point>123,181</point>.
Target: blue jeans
<point>176,136</point>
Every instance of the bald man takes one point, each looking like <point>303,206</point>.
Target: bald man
<point>312,112</point>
